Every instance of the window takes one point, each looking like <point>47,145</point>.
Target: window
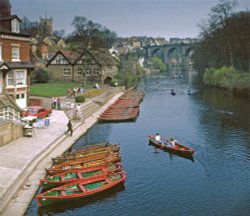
<point>66,72</point>
<point>88,72</point>
<point>1,55</point>
<point>20,96</point>
<point>10,79</point>
<point>20,78</point>
<point>79,72</point>
<point>15,26</point>
<point>96,71</point>
<point>15,53</point>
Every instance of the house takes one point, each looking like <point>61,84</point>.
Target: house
<point>136,43</point>
<point>15,65</point>
<point>61,43</point>
<point>160,41</point>
<point>82,66</point>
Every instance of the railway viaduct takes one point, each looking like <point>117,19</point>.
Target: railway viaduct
<point>176,54</point>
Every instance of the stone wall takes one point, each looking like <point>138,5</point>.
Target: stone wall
<point>9,132</point>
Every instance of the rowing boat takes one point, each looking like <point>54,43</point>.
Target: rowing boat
<point>87,153</point>
<point>81,163</point>
<point>81,174</point>
<point>178,148</point>
<point>80,189</point>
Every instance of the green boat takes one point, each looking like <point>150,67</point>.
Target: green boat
<point>80,189</point>
<point>75,175</point>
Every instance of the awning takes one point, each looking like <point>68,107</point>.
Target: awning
<point>16,65</point>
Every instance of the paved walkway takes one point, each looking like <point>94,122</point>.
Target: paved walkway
<point>23,161</point>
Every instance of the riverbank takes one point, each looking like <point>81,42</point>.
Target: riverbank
<point>23,161</point>
<point>229,79</point>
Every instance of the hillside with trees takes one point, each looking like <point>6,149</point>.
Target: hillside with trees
<point>222,57</point>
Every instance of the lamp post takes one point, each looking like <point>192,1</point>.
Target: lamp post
<point>85,72</point>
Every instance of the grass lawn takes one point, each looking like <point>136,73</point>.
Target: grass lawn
<point>53,89</point>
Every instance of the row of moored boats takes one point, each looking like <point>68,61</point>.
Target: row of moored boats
<point>126,108</point>
<point>82,173</point>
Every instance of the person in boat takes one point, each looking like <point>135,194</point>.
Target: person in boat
<point>159,139</point>
<point>172,142</point>
<point>173,92</point>
<point>189,92</point>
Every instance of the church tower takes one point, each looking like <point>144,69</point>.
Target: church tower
<point>46,26</point>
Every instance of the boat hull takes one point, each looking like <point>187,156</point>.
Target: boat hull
<point>70,192</point>
<point>178,149</point>
<point>76,175</point>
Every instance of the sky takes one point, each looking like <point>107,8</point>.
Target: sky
<point>156,18</point>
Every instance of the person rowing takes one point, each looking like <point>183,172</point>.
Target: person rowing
<point>159,139</point>
<point>173,92</point>
<point>172,142</point>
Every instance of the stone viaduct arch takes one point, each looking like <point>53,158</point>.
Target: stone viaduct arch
<point>176,56</point>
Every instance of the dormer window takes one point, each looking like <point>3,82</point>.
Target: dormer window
<point>15,26</point>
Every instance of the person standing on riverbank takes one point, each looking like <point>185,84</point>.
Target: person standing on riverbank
<point>70,129</point>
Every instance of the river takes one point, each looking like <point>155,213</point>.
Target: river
<point>217,182</point>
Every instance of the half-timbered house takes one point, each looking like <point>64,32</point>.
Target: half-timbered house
<point>87,66</point>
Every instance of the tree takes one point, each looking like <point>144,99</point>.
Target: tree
<point>40,76</point>
<point>158,64</point>
<point>91,35</point>
<point>59,34</point>
<point>29,27</point>
<point>220,13</point>
<point>224,39</point>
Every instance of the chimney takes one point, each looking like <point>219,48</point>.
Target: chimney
<point>5,8</point>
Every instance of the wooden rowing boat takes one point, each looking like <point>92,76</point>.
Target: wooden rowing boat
<point>83,163</point>
<point>86,153</point>
<point>126,108</point>
<point>127,115</point>
<point>81,174</point>
<point>80,189</point>
<point>178,148</point>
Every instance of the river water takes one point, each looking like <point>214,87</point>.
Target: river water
<point>217,182</point>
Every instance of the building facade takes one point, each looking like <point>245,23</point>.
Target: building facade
<point>82,67</point>
<point>15,66</point>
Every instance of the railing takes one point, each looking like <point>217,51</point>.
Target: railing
<point>9,114</point>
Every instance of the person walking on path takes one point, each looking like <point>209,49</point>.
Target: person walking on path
<point>70,129</point>
<point>58,101</point>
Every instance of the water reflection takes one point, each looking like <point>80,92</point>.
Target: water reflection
<point>98,134</point>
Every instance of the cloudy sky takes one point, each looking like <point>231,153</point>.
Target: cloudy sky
<point>164,18</point>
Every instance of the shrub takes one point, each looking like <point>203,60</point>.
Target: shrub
<point>157,63</point>
<point>114,82</point>
<point>80,99</point>
<point>40,76</point>
<point>226,77</point>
